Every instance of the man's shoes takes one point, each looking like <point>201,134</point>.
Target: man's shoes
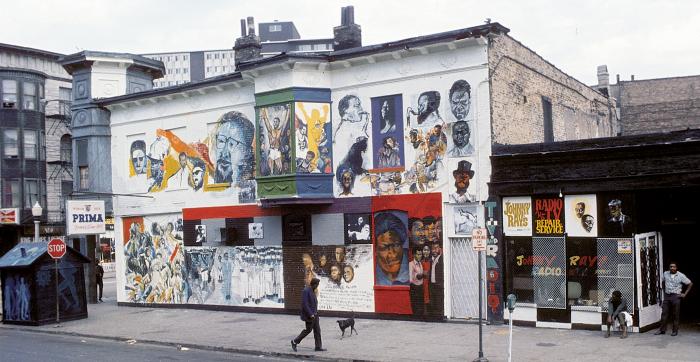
<point>659,332</point>
<point>674,333</point>
<point>320,349</point>
<point>294,345</point>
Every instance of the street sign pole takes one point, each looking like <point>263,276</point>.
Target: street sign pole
<point>57,249</point>
<point>479,244</point>
<point>57,311</point>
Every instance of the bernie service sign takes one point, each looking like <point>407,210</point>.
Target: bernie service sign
<point>85,217</point>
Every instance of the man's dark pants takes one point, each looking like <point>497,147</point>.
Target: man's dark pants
<point>99,287</point>
<point>312,324</point>
<point>672,304</point>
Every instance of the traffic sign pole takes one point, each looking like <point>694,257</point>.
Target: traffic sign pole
<point>57,249</point>
<point>479,237</point>
<point>57,311</point>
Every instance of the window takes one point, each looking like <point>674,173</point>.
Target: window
<point>30,145</point>
<point>10,143</point>
<point>305,47</point>
<point>10,193</point>
<point>66,148</point>
<point>9,93</point>
<point>208,56</point>
<point>32,193</point>
<point>520,277</point>
<point>168,58</point>
<point>177,70</point>
<point>223,56</point>
<point>184,57</point>
<point>176,58</point>
<point>582,271</point>
<point>84,178</point>
<point>29,96</point>
<point>275,28</point>
<point>208,69</point>
<point>548,125</point>
<point>185,70</point>
<point>216,56</point>
<point>170,71</point>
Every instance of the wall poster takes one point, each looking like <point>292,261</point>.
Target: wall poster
<point>517,216</point>
<point>581,215</point>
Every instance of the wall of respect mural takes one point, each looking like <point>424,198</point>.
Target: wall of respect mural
<point>221,159</point>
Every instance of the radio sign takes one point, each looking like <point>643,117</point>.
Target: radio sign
<point>85,217</point>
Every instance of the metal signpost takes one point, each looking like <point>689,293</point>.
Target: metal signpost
<point>57,249</point>
<point>479,237</point>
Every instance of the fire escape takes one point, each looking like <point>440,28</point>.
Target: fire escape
<point>61,169</point>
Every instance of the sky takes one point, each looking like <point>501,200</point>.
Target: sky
<point>645,38</point>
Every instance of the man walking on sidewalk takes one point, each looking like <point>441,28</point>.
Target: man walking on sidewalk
<point>309,314</point>
<point>673,281</point>
<point>99,273</point>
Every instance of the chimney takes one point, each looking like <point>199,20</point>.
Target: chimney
<point>603,76</point>
<point>348,34</point>
<point>632,78</point>
<point>618,79</point>
<point>248,46</point>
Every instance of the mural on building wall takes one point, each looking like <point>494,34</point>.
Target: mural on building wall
<point>154,258</point>
<point>387,132</point>
<point>617,209</point>
<point>275,140</point>
<point>581,215</point>
<point>352,138</point>
<point>239,276</point>
<point>461,120</point>
<point>427,144</point>
<point>391,238</point>
<point>313,138</point>
<point>462,190</point>
<point>358,228</point>
<point>16,298</point>
<point>548,216</point>
<point>346,276</point>
<point>462,219</point>
<point>517,216</point>
<point>224,158</point>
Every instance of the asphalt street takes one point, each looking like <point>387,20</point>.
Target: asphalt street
<point>23,346</point>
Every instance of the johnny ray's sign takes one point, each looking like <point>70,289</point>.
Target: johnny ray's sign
<point>85,217</point>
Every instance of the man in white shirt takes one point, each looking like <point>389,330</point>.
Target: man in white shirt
<point>673,281</point>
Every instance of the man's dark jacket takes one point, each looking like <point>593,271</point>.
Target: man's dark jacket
<point>308,304</point>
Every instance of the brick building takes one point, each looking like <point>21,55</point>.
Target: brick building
<point>349,166</point>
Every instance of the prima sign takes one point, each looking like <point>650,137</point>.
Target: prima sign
<point>85,217</point>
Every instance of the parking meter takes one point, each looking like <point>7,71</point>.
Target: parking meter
<point>511,302</point>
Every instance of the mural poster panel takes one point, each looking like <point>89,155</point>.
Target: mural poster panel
<point>462,219</point>
<point>358,228</point>
<point>247,276</point>
<point>312,123</point>
<point>387,132</point>
<point>548,214</point>
<point>154,259</point>
<point>275,139</point>
<point>351,145</point>
<point>224,158</point>
<point>617,210</point>
<point>517,216</point>
<point>460,128</point>
<point>581,215</point>
<point>409,265</point>
<point>462,190</point>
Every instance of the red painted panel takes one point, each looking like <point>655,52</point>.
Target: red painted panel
<point>392,300</point>
<point>126,225</point>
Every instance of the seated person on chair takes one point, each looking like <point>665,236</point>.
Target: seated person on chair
<point>617,307</point>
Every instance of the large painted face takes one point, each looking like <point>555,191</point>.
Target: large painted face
<point>354,111</point>
<point>418,232</point>
<point>138,160</point>
<point>198,177</point>
<point>459,104</point>
<point>389,252</point>
<point>580,209</point>
<point>385,110</point>
<point>461,180</point>
<point>423,105</point>
<point>230,152</point>
<point>460,133</point>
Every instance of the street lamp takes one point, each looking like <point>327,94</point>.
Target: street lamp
<point>36,212</point>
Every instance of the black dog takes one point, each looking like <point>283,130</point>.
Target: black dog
<point>344,324</point>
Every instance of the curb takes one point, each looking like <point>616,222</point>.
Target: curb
<point>193,346</point>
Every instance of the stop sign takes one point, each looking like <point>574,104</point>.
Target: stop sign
<point>57,248</point>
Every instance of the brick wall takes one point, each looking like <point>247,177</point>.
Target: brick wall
<point>659,105</point>
<point>520,78</point>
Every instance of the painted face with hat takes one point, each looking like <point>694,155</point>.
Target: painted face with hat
<point>462,175</point>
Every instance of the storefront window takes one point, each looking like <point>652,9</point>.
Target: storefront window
<point>520,263</point>
<point>582,266</point>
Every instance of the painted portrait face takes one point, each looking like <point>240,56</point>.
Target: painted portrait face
<point>580,209</point>
<point>354,111</point>
<point>426,251</point>
<point>459,104</point>
<point>436,250</point>
<point>138,160</point>
<point>417,232</point>
<point>461,180</point>
<point>385,110</point>
<point>340,254</point>
<point>588,222</point>
<point>389,252</point>
<point>615,209</point>
<point>335,273</point>
<point>360,220</point>
<point>276,122</point>
<point>423,105</point>
<point>230,152</point>
<point>418,254</point>
<point>197,177</point>
<point>322,260</point>
<point>348,273</point>
<point>308,263</point>
<point>183,160</point>
<point>460,134</point>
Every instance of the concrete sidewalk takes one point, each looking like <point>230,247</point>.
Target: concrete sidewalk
<point>377,339</point>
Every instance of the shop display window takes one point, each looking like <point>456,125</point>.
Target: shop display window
<point>582,267</point>
<point>519,262</point>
